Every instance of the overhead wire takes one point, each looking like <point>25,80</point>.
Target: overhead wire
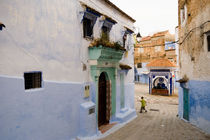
<point>177,42</point>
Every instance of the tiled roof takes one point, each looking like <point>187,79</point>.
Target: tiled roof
<point>161,63</point>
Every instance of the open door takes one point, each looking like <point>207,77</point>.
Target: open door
<point>104,100</point>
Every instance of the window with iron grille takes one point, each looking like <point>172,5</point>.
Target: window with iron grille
<point>33,80</point>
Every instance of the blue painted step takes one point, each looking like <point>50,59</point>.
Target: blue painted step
<point>125,114</point>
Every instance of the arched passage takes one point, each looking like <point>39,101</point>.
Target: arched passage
<point>160,83</point>
<point>104,99</point>
<point>160,86</point>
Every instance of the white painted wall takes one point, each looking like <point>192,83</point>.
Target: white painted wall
<point>47,36</point>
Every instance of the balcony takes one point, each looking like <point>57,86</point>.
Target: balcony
<point>103,53</point>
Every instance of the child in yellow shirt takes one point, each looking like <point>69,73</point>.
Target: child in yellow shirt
<point>143,104</point>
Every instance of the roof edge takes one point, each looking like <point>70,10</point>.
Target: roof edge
<point>121,11</point>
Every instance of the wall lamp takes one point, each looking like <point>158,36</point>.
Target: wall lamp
<point>2,26</point>
<point>138,37</point>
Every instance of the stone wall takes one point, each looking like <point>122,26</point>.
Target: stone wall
<point>194,60</point>
<point>194,56</point>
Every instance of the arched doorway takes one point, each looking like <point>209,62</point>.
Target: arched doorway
<point>104,97</point>
<point>160,86</point>
<point>160,83</point>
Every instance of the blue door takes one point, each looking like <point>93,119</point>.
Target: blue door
<point>186,104</point>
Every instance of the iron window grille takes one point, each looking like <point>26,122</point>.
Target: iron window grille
<point>33,80</point>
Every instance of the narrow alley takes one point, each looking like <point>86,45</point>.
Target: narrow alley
<point>159,123</point>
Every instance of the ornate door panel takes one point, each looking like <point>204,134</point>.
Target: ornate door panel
<point>108,100</point>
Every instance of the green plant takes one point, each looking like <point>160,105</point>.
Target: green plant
<point>117,45</point>
<point>104,41</point>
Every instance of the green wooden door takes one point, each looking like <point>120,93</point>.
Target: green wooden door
<point>186,104</point>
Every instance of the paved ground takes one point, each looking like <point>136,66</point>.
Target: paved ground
<point>159,123</point>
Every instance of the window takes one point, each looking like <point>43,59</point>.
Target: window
<point>89,20</point>
<point>87,28</point>
<point>33,80</point>
<point>139,65</point>
<point>106,28</point>
<point>127,38</point>
<point>183,14</point>
<point>124,39</point>
<point>105,32</point>
<point>208,42</point>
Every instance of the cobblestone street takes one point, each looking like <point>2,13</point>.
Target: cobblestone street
<point>159,123</point>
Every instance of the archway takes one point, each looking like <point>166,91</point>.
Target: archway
<point>160,86</point>
<point>104,97</point>
<point>160,83</point>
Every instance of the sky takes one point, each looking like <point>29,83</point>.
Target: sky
<point>151,15</point>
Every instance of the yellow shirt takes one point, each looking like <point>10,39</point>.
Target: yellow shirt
<point>143,103</point>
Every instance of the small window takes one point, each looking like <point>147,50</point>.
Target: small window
<point>124,39</point>
<point>33,80</point>
<point>106,28</point>
<point>89,19</point>
<point>87,27</point>
<point>139,65</point>
<point>208,42</point>
<point>105,32</point>
<point>183,14</point>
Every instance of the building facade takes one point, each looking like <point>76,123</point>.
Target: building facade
<point>194,62</point>
<point>159,45</point>
<point>66,68</point>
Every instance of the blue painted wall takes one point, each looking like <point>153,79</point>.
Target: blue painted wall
<point>143,78</point>
<point>128,112</point>
<point>49,113</point>
<point>199,103</point>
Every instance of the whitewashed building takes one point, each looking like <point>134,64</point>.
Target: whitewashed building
<point>53,83</point>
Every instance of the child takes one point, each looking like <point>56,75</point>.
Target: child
<point>143,104</point>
